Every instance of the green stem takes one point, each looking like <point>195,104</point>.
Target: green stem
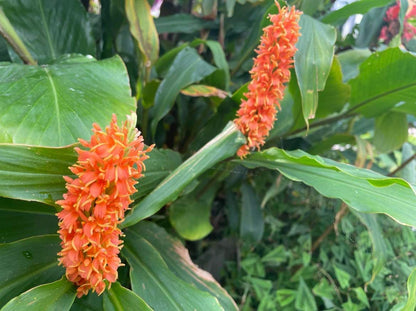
<point>8,33</point>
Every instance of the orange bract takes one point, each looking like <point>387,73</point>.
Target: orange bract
<point>270,72</point>
<point>95,203</point>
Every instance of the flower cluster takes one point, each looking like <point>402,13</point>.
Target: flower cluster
<point>389,31</point>
<point>270,72</point>
<point>95,204</point>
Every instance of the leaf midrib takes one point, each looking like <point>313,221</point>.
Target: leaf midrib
<point>48,35</point>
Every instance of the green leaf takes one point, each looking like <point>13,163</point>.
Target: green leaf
<point>47,29</point>
<point>304,298</point>
<point>221,147</point>
<point>15,226</point>
<point>380,250</point>
<point>313,61</point>
<point>152,279</point>
<point>119,298</point>
<point>342,277</point>
<point>177,258</point>
<point>357,7</point>
<point>191,217</point>
<point>143,29</point>
<point>324,289</point>
<point>90,302</point>
<point>12,205</point>
<point>182,23</point>
<point>58,295</point>
<point>333,98</point>
<point>285,296</point>
<point>361,296</point>
<point>220,60</point>
<point>350,62</point>
<point>390,131</point>
<point>369,27</point>
<point>161,163</point>
<point>364,190</point>
<point>261,287</point>
<point>187,68</point>
<point>251,220</point>
<point>75,94</point>
<point>37,176</point>
<point>27,263</point>
<point>386,79</point>
<point>411,290</point>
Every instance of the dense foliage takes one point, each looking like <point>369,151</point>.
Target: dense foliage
<point>322,218</point>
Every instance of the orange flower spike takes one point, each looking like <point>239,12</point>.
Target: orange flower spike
<point>96,202</point>
<point>270,72</point>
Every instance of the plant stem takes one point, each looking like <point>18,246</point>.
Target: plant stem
<point>10,35</point>
<point>403,165</point>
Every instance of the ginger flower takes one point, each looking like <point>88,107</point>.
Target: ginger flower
<point>106,172</point>
<point>270,72</point>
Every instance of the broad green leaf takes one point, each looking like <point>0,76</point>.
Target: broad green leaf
<point>91,302</point>
<point>27,263</point>
<point>152,279</point>
<point>74,95</point>
<point>15,226</point>
<point>369,27</point>
<point>182,23</point>
<point>143,29</point>
<point>351,60</point>
<point>47,30</point>
<point>178,261</point>
<point>58,295</point>
<point>32,207</point>
<point>386,79</point>
<point>251,220</point>
<point>38,173</point>
<point>364,190</point>
<point>333,98</point>
<point>191,217</point>
<point>166,60</point>
<point>378,242</point>
<point>221,147</point>
<point>304,298</point>
<point>197,90</point>
<point>161,163</point>
<point>357,7</point>
<point>119,298</point>
<point>313,61</point>
<point>390,131</point>
<point>187,68</point>
<point>411,290</point>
